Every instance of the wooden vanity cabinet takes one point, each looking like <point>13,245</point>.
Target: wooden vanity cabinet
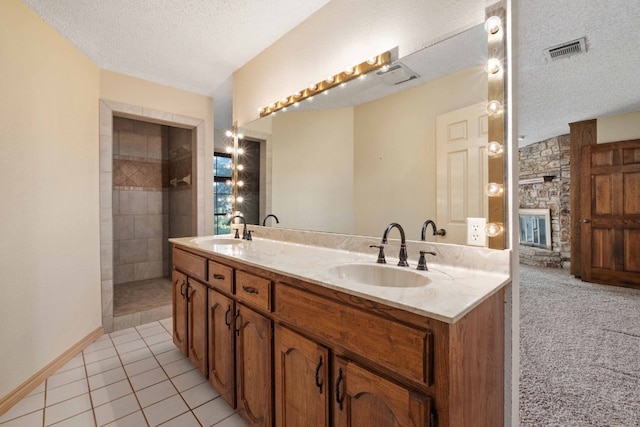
<point>190,307</point>
<point>290,353</point>
<point>302,387</point>
<point>221,342</point>
<point>254,347</point>
<point>363,399</point>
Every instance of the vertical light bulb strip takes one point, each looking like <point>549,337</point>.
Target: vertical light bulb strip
<point>496,111</point>
<point>234,161</point>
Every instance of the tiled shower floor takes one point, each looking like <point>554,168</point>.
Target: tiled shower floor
<point>137,303</point>
<point>134,377</point>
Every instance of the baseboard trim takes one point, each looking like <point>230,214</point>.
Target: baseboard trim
<point>32,383</point>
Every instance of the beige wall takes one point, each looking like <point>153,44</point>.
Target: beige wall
<point>343,33</point>
<point>142,93</point>
<point>312,160</point>
<point>624,127</point>
<point>49,250</point>
<point>395,152</point>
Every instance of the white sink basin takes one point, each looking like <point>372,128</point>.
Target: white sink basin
<point>380,275</point>
<point>217,240</point>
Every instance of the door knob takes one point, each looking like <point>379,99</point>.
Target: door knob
<point>586,221</point>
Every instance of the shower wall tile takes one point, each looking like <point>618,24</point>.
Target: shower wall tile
<point>147,128</point>
<point>120,123</point>
<point>155,202</point>
<point>122,227</point>
<point>147,270</point>
<point>156,249</point>
<point>154,147</point>
<point>107,296</point>
<point>123,274</point>
<point>133,202</point>
<point>133,251</point>
<point>148,226</point>
<point>115,202</point>
<point>132,144</point>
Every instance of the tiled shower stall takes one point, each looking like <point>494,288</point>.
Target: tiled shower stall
<point>152,201</point>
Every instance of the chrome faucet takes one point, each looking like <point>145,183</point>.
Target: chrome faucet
<point>436,232</point>
<point>403,243</point>
<point>264,221</point>
<point>245,235</point>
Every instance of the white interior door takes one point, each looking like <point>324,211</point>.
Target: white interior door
<point>461,139</point>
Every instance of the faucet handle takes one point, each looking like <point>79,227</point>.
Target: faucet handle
<point>248,235</point>
<point>237,236</point>
<point>381,259</point>
<point>422,262</point>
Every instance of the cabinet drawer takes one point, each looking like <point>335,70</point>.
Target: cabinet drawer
<point>193,265</point>
<point>253,290</point>
<point>221,276</point>
<point>401,348</point>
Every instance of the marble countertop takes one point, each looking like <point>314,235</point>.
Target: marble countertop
<point>450,293</point>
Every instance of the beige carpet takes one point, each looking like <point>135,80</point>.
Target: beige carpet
<point>580,351</point>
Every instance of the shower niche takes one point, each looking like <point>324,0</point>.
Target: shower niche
<point>153,200</point>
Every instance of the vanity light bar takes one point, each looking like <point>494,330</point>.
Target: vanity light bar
<point>331,81</point>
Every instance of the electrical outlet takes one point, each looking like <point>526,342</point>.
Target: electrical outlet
<point>476,236</point>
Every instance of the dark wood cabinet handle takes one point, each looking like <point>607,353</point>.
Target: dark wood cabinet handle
<point>235,323</point>
<point>189,295</point>
<point>250,290</point>
<point>339,400</point>
<point>318,383</point>
<point>182,291</point>
<point>218,276</point>
<point>226,318</point>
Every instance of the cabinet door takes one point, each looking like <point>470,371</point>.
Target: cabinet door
<point>301,381</point>
<point>180,311</point>
<point>364,399</point>
<point>253,364</point>
<point>221,346</point>
<point>197,325</point>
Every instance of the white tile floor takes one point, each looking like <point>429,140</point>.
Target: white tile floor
<point>130,378</point>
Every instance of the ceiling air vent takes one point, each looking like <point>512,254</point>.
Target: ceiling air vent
<point>566,50</point>
<point>396,74</point>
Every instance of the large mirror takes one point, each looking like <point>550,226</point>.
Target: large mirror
<point>405,145</point>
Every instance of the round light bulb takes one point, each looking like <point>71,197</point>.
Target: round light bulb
<point>261,110</point>
<point>494,107</point>
<point>228,199</point>
<point>349,71</point>
<point>372,60</point>
<point>240,199</point>
<point>284,109</point>
<point>310,98</point>
<point>240,167</point>
<point>494,189</point>
<point>494,148</point>
<point>240,183</point>
<point>493,25</point>
<point>493,66</point>
<point>297,94</point>
<point>240,150</point>
<point>313,86</point>
<point>228,134</point>
<point>330,79</point>
<point>228,182</point>
<point>284,100</point>
<point>228,149</point>
<point>240,136</point>
<point>297,104</point>
<point>272,105</point>
<point>493,229</point>
<point>384,68</point>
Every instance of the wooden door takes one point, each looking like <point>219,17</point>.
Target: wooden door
<point>301,381</point>
<point>462,170</point>
<point>222,365</point>
<point>180,311</point>
<point>253,367</point>
<point>610,213</point>
<point>364,399</point>
<point>197,325</point>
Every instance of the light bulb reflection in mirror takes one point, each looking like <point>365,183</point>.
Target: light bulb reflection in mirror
<point>494,107</point>
<point>493,25</point>
<point>493,66</point>
<point>494,189</point>
<point>240,167</point>
<point>493,229</point>
<point>494,148</point>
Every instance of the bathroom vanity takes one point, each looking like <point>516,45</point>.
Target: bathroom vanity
<point>299,335</point>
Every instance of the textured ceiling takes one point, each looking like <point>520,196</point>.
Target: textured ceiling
<point>193,45</point>
<point>197,44</point>
<point>603,81</point>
